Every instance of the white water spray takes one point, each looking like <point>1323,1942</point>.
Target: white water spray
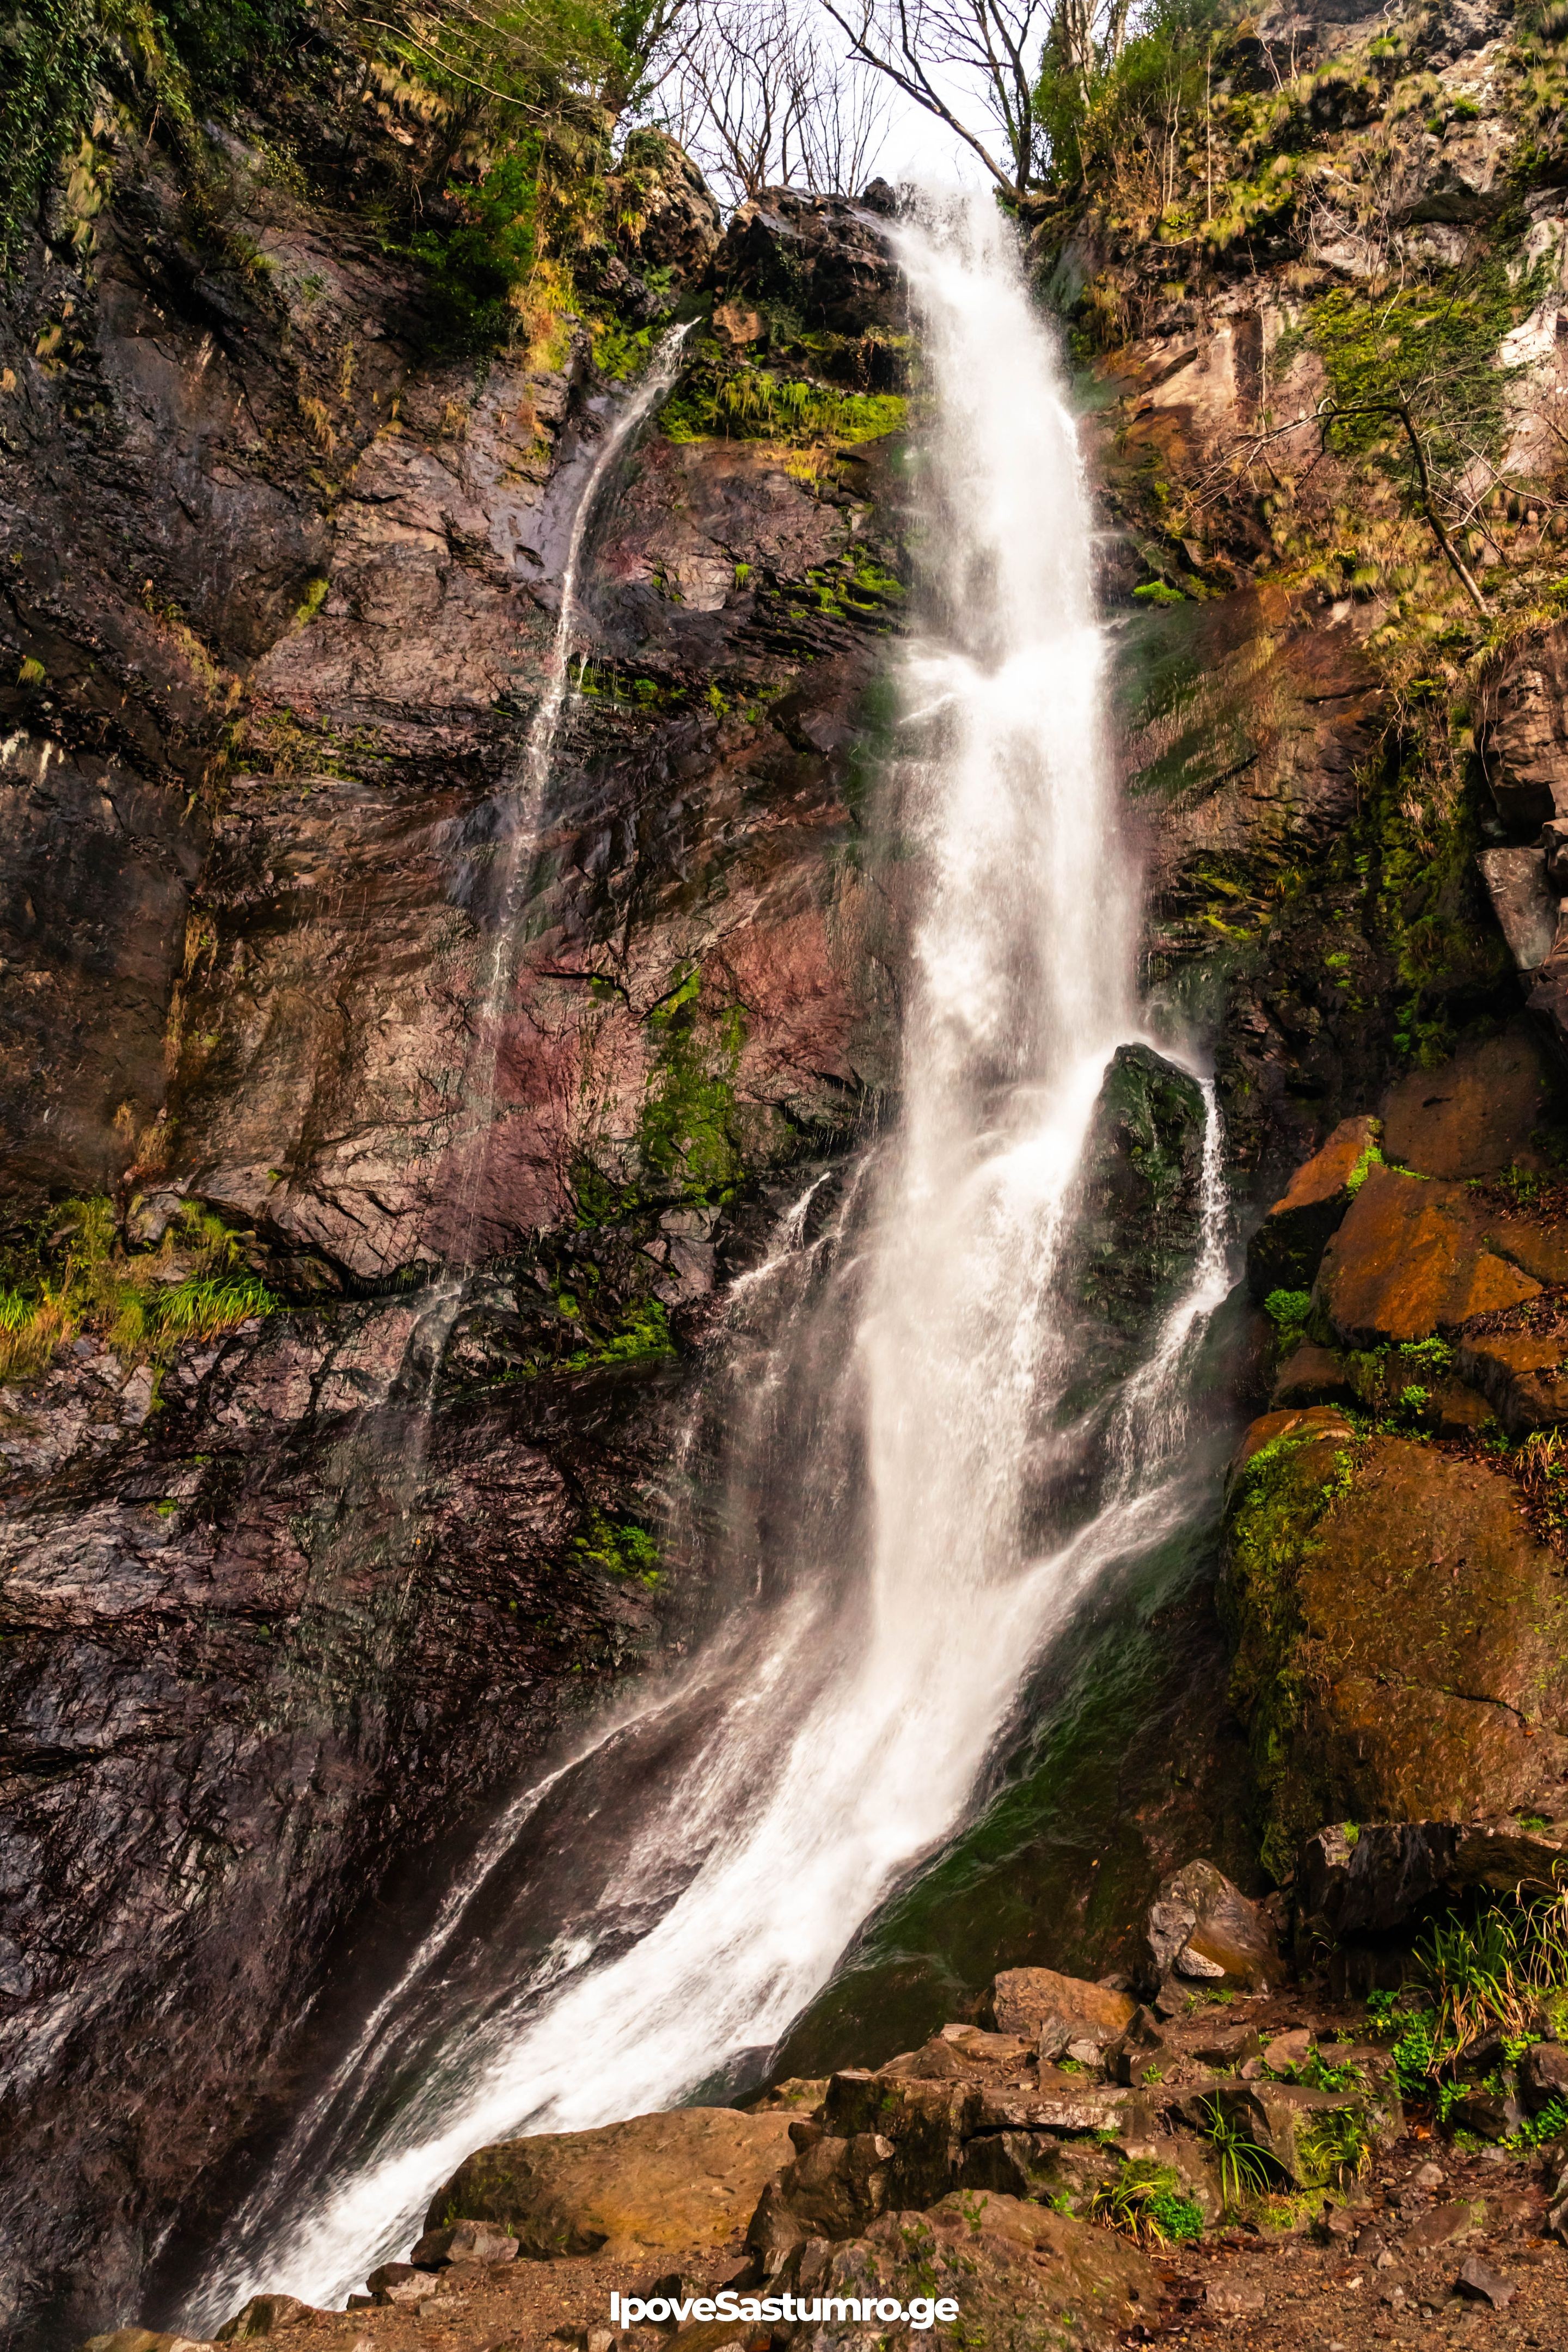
<point>836,1735</point>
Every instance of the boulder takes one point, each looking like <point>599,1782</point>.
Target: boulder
<point>1410,1260</point>
<point>1284,1252</point>
<point>827,257</point>
<point>1025,2000</point>
<point>264,2315</point>
<point>1401,1637</point>
<point>1204,1927</point>
<point>464,2241</point>
<point>1311,1375</point>
<point>142,2339</point>
<point>1290,2122</point>
<point>1524,902</point>
<point>1517,1359</point>
<point>669,221</point>
<point>1376,1877</point>
<point>1020,2273</point>
<point>690,2179</point>
<point>1478,1113</point>
<point>1544,2076</point>
<point>1139,1192</point>
<point>1521,729</point>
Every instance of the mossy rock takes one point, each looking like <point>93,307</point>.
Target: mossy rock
<point>1140,1190</point>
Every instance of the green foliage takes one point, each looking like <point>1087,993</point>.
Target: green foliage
<point>144,1304</point>
<point>1370,1157</point>
<point>1290,1311</point>
<point>1432,343</point>
<point>1496,1968</point>
<point>1551,2122</point>
<point>1156,83</point>
<point>644,1331</point>
<point>1335,2147</point>
<point>619,1547</point>
<point>1148,2201</point>
<point>1246,2169</point>
<point>60,61</point>
<point>755,403</point>
<point>1157,591</point>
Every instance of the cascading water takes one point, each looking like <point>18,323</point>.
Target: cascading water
<point>670,1897</point>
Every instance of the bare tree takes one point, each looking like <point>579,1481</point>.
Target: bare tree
<point>997,45</point>
<point>757,99</point>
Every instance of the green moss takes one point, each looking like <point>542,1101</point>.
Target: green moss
<point>1276,1507</point>
<point>1433,343</point>
<point>619,1547</point>
<point>755,403</point>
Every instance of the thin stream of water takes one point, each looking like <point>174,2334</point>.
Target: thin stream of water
<point>666,1900</point>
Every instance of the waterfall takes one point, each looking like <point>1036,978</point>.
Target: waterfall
<point>522,812</point>
<point>670,1898</point>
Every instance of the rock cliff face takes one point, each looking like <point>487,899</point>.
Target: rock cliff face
<point>284,1600</point>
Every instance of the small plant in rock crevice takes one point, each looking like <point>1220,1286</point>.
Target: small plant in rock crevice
<point>1147,2200</point>
<point>143,1304</point>
<point>1246,2169</point>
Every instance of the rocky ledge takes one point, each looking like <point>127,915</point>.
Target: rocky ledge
<point>1248,2145</point>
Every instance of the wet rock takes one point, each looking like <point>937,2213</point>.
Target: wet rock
<point>1204,1927</point>
<point>826,256</point>
<point>1140,1190</point>
<point>463,2241</point>
<point>690,2179</point>
<point>1023,2001</point>
<point>1285,1251</point>
<point>1521,729</point>
<point>1410,1260</point>
<point>1482,2284</point>
<point>1490,2115</point>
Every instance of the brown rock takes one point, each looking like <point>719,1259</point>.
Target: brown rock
<point>1402,1639</point>
<point>690,2179</point>
<point>1235,2298</point>
<point>464,2241</point>
<point>1284,1252</point>
<point>1521,729</point>
<point>1311,1375</point>
<point>1477,1114</point>
<point>1021,1999</point>
<point>1205,1928</point>
<point>1409,1261</point>
<point>1483,2285</point>
<point>142,2339</point>
<point>1438,2228</point>
<point>1288,2049</point>
<point>264,2315</point>
<point>1516,1360</point>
